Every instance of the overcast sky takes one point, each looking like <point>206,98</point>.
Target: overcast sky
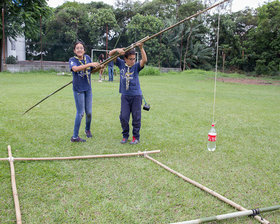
<point>236,5</point>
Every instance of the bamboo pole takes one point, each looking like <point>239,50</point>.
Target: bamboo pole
<point>133,46</point>
<point>222,198</point>
<point>94,70</point>
<point>84,157</point>
<point>231,215</point>
<point>14,187</point>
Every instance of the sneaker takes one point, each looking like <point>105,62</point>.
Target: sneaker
<point>99,80</point>
<point>88,134</point>
<point>77,139</point>
<point>134,141</point>
<point>124,140</point>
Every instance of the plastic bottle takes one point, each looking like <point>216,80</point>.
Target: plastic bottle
<point>211,145</point>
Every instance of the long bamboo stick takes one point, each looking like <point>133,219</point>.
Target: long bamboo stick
<point>132,46</point>
<point>84,157</point>
<point>231,215</point>
<point>94,70</point>
<point>14,187</point>
<point>222,198</point>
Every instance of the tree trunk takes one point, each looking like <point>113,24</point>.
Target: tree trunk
<point>106,40</point>
<point>159,52</point>
<point>181,50</point>
<point>224,60</point>
<point>187,48</point>
<point>178,4</point>
<point>1,55</point>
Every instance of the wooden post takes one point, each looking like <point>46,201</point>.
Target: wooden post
<point>41,42</point>
<point>222,198</point>
<point>3,41</point>
<point>14,187</point>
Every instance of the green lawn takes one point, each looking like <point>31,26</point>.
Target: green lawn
<point>244,168</point>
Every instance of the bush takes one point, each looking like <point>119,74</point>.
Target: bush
<point>11,60</point>
<point>149,70</point>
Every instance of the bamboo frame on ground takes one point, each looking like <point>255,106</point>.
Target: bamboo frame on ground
<point>11,159</point>
<point>231,215</point>
<point>222,198</point>
<point>145,154</point>
<point>84,157</point>
<point>14,186</point>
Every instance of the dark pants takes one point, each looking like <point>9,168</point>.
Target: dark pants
<point>131,104</point>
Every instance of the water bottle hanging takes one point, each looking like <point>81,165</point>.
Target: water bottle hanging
<point>146,105</point>
<point>212,136</point>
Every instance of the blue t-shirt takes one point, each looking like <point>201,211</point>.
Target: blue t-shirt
<point>129,78</point>
<point>81,79</point>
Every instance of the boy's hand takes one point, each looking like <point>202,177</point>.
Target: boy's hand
<point>140,44</point>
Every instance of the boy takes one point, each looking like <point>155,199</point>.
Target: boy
<point>131,98</point>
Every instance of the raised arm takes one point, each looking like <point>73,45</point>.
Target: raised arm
<point>144,59</point>
<point>117,50</point>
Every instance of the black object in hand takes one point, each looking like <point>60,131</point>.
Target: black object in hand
<point>146,107</point>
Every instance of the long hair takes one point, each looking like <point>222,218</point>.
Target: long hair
<point>79,42</point>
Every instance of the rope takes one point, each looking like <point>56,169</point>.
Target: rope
<point>144,99</point>
<point>216,67</point>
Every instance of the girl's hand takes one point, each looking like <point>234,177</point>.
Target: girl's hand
<point>121,51</point>
<point>95,64</point>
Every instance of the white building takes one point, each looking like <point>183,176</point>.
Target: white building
<point>16,48</point>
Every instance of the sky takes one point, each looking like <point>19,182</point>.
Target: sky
<point>236,5</point>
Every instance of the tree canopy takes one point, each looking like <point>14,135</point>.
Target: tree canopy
<point>22,17</point>
<point>249,39</point>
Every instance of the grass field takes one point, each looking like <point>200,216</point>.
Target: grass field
<point>244,168</point>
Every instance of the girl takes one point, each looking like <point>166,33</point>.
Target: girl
<point>81,67</point>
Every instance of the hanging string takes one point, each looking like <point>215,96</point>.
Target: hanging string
<point>216,68</point>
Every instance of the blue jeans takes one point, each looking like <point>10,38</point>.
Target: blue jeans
<point>83,101</point>
<point>111,73</point>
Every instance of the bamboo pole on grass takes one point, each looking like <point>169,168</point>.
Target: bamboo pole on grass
<point>222,198</point>
<point>231,215</point>
<point>84,157</point>
<point>14,187</point>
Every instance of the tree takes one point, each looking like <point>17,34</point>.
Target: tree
<point>264,41</point>
<point>142,26</point>
<point>22,17</point>
<point>103,23</point>
<point>69,23</point>
<point>162,9</point>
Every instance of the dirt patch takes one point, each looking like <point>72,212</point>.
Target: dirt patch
<point>249,81</point>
